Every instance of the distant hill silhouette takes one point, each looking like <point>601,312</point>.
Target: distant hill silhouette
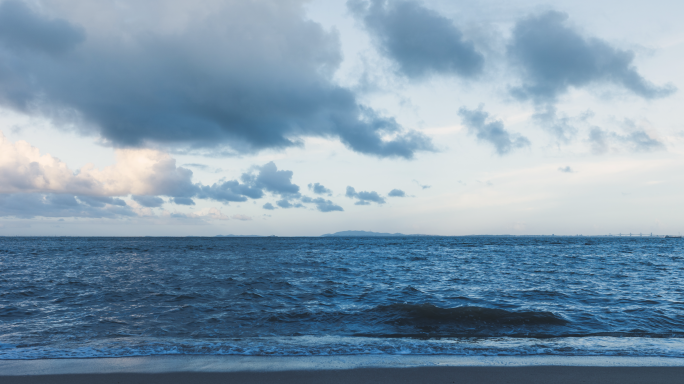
<point>243,236</point>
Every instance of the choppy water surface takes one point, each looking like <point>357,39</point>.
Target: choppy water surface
<point>87,297</point>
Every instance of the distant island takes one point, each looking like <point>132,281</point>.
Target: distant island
<point>366,234</point>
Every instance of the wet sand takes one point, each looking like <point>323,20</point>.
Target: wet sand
<point>343,369</point>
<point>435,375</point>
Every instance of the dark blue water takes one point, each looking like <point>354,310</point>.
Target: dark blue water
<point>87,297</point>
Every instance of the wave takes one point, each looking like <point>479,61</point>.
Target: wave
<point>11,312</point>
<point>412,313</point>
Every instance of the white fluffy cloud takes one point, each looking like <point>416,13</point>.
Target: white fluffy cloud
<point>137,171</point>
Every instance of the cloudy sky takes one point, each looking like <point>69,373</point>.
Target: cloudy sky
<point>289,117</point>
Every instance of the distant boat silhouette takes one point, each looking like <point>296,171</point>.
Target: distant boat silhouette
<point>673,237</point>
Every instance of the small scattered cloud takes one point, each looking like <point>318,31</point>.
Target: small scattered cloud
<point>284,204</point>
<point>269,206</point>
<point>363,197</point>
<point>148,201</point>
<point>319,189</point>
<point>561,127</point>
<point>183,201</point>
<point>422,186</point>
<point>566,169</point>
<point>272,180</point>
<point>492,132</point>
<point>203,167</point>
<point>322,204</point>
<point>396,193</point>
<point>638,140</point>
<point>253,186</point>
<point>212,213</point>
<point>241,217</point>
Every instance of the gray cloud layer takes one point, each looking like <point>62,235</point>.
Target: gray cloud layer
<point>250,76</point>
<point>396,193</point>
<point>552,58</point>
<point>21,29</point>
<point>492,132</point>
<point>419,40</point>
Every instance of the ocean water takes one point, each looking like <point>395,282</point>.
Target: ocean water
<point>474,296</point>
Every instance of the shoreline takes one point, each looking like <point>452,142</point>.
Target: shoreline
<point>231,363</point>
<point>344,369</point>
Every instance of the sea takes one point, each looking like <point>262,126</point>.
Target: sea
<point>71,297</point>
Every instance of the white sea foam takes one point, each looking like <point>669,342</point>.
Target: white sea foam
<point>344,346</point>
<point>162,364</point>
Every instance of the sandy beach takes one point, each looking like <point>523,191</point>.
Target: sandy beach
<point>344,369</point>
<point>512,375</point>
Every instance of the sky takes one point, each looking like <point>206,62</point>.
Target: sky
<point>300,118</point>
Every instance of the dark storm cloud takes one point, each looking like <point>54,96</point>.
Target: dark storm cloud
<point>22,29</point>
<point>269,206</point>
<point>638,140</point>
<point>322,204</point>
<point>552,57</point>
<point>250,76</point>
<point>148,201</point>
<point>31,205</point>
<point>396,193</point>
<point>419,40</point>
<point>492,132</point>
<point>319,189</point>
<point>363,197</point>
